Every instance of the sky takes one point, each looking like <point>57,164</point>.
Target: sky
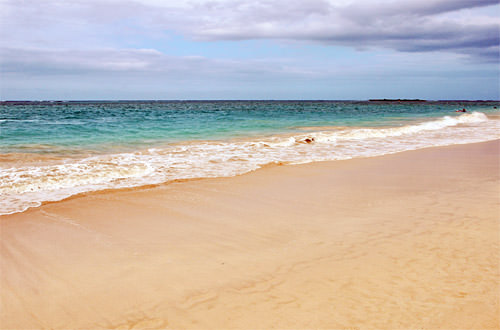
<point>249,49</point>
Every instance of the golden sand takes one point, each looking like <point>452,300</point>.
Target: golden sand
<point>405,241</point>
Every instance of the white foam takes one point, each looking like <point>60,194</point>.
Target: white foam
<point>22,187</point>
<point>20,120</point>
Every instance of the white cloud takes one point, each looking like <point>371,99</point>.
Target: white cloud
<point>148,62</point>
<point>413,25</point>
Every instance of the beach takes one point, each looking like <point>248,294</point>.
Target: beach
<point>400,241</point>
<point>236,164</point>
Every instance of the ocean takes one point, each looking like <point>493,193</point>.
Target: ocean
<point>53,150</point>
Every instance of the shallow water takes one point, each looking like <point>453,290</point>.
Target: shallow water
<point>50,151</point>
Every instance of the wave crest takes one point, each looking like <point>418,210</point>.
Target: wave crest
<point>23,186</point>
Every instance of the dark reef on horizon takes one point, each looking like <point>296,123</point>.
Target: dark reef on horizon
<point>407,101</point>
<point>398,100</point>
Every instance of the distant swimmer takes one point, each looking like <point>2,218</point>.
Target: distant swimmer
<point>463,110</point>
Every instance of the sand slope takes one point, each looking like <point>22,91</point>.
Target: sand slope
<point>409,240</point>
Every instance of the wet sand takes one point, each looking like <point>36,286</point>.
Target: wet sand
<point>410,240</point>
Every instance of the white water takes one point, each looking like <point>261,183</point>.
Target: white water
<point>24,186</point>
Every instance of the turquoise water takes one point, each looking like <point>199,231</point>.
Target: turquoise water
<point>50,151</point>
<point>99,127</point>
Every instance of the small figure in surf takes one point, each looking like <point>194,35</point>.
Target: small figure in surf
<point>463,110</point>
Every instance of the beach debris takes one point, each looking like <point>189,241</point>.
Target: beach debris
<point>309,140</point>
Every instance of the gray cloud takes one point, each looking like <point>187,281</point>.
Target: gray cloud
<point>147,63</point>
<point>381,10</point>
<point>413,25</point>
<point>440,6</point>
<point>416,26</point>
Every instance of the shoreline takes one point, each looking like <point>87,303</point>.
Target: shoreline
<point>46,174</point>
<point>401,240</point>
<point>265,166</point>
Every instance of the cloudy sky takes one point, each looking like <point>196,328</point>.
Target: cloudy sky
<point>249,49</point>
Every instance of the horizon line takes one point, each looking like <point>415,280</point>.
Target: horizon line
<point>247,100</point>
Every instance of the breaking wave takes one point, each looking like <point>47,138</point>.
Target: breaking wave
<point>24,185</point>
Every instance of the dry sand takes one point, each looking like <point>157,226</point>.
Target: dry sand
<point>402,241</point>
